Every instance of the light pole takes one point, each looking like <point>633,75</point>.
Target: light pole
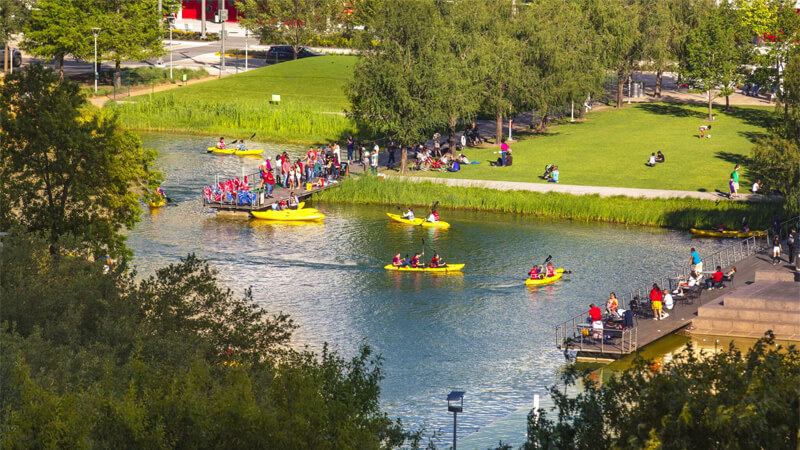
<point>457,406</point>
<point>223,16</point>
<point>171,25</point>
<point>245,49</point>
<point>96,75</point>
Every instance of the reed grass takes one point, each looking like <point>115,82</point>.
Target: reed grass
<point>682,213</point>
<point>286,122</point>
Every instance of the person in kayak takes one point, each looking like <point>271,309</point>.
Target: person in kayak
<point>241,146</point>
<point>434,217</point>
<point>398,261</point>
<point>160,192</point>
<point>551,270</point>
<point>534,273</point>
<point>436,261</point>
<point>415,263</point>
<point>409,215</point>
<point>221,143</point>
<point>294,203</point>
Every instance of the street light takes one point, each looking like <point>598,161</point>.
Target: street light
<point>455,404</point>
<point>96,75</point>
<point>171,25</point>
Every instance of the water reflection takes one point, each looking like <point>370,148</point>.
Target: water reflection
<point>482,330</point>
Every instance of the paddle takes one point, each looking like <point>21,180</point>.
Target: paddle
<point>423,252</point>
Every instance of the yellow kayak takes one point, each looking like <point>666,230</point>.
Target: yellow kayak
<point>446,269</point>
<point>725,234</point>
<point>157,203</point>
<point>547,280</point>
<point>233,151</point>
<point>418,221</point>
<point>289,214</point>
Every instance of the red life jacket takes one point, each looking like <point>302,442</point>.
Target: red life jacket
<point>396,261</point>
<point>435,216</point>
<point>414,262</point>
<point>550,271</point>
<point>434,262</point>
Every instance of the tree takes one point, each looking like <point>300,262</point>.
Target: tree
<point>722,400</point>
<point>617,27</point>
<point>58,28</point>
<point>397,87</point>
<point>130,29</point>
<point>65,168</point>
<point>713,54</point>
<point>290,22</point>
<point>13,16</point>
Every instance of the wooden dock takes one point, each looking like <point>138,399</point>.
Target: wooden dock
<point>753,256</point>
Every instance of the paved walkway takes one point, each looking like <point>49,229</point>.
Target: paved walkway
<point>603,191</point>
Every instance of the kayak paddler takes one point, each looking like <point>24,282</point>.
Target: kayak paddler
<point>221,143</point>
<point>409,214</point>
<point>294,203</point>
<point>398,261</point>
<point>436,261</point>
<point>534,272</point>
<point>414,263</point>
<point>434,217</point>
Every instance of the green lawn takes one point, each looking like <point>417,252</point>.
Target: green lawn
<point>611,147</point>
<point>312,99</point>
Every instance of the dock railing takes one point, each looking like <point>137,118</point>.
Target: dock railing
<point>569,333</point>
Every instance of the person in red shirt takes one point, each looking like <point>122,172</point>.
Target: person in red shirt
<point>595,314</point>
<point>415,262</point>
<point>655,294</point>
<point>398,261</point>
<point>716,279</point>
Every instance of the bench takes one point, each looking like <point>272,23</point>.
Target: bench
<point>276,99</point>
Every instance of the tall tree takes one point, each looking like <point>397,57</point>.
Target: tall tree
<point>714,53</point>
<point>13,16</point>
<point>289,22</point>
<point>656,26</point>
<point>617,27</point>
<point>64,168</point>
<point>130,29</point>
<point>395,87</point>
<point>501,57</point>
<point>57,28</point>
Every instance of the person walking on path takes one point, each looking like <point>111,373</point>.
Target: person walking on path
<point>350,146</point>
<point>776,225</point>
<point>735,177</point>
<point>776,250</point>
<point>695,262</point>
<point>391,149</point>
<point>791,242</point>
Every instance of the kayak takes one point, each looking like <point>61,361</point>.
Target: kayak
<point>725,234</point>
<point>289,214</point>
<point>157,203</point>
<point>446,269</point>
<point>418,221</point>
<point>547,280</point>
<point>233,151</point>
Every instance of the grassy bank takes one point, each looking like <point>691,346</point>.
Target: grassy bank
<point>673,213</point>
<point>611,147</point>
<point>310,111</point>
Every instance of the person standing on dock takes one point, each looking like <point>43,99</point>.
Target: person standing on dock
<point>350,146</point>
<point>791,242</point>
<point>695,262</point>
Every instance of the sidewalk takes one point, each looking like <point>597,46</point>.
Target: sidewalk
<point>603,191</point>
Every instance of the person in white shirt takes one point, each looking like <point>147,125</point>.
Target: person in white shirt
<point>336,151</point>
<point>669,303</point>
<point>652,161</point>
<point>756,186</point>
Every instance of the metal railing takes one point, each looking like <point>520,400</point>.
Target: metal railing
<point>579,336</point>
<point>569,332</point>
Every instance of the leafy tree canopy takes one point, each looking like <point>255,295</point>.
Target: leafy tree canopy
<point>66,168</point>
<point>728,399</point>
<point>57,28</point>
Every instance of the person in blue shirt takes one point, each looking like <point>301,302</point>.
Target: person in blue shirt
<point>409,214</point>
<point>454,166</point>
<point>553,175</point>
<point>695,262</point>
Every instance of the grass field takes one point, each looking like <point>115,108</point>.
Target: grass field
<point>683,213</point>
<point>312,100</point>
<point>611,147</point>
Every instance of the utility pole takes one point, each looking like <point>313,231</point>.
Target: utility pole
<point>223,16</point>
<point>203,19</point>
<point>160,61</point>
<point>95,30</point>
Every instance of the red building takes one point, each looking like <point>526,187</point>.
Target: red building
<point>192,9</point>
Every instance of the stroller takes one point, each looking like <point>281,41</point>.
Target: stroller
<point>548,172</point>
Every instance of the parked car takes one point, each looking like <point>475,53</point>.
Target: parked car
<point>16,56</point>
<point>280,53</point>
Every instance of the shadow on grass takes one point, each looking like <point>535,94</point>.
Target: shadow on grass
<point>752,116</point>
<point>671,109</point>
<point>752,136</point>
<point>743,160</point>
<point>758,215</point>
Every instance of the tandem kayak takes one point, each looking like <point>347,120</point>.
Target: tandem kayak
<point>725,234</point>
<point>289,215</point>
<point>447,269</point>
<point>233,151</point>
<point>547,280</point>
<point>418,221</point>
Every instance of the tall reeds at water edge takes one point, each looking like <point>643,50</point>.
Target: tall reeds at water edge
<point>682,213</point>
<point>285,122</point>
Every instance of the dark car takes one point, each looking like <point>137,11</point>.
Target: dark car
<point>280,53</point>
<point>16,56</point>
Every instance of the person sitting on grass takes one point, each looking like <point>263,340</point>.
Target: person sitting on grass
<point>659,157</point>
<point>553,175</point>
<point>716,279</point>
<point>454,166</point>
<point>463,159</point>
<point>652,161</point>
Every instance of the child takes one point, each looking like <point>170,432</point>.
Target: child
<point>776,251</point>
<point>703,129</point>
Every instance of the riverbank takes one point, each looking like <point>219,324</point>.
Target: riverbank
<point>680,213</point>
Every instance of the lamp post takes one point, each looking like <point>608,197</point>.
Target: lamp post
<point>455,404</point>
<point>171,25</point>
<point>245,49</point>
<point>223,16</point>
<point>96,75</point>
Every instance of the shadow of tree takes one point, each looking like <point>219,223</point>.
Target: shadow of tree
<point>744,161</point>
<point>752,136</point>
<point>759,117</point>
<point>673,109</point>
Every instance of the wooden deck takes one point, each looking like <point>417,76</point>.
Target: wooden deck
<point>646,330</point>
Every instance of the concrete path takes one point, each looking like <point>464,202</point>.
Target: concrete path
<point>603,191</point>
